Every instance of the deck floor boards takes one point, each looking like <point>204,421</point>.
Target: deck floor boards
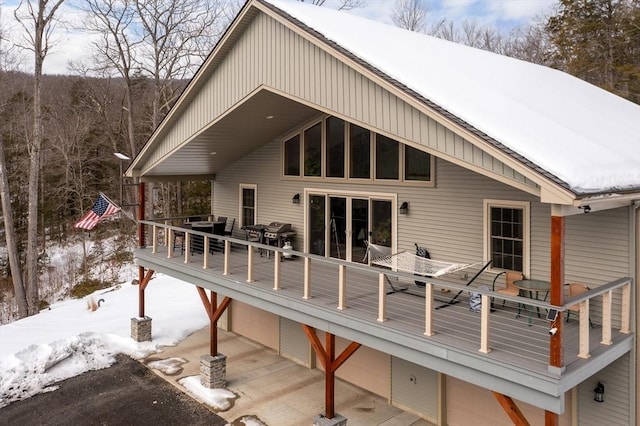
<point>512,340</point>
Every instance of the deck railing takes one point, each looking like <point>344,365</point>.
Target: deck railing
<point>163,234</point>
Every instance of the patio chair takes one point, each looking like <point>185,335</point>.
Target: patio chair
<point>573,290</point>
<point>509,289</point>
<point>228,230</point>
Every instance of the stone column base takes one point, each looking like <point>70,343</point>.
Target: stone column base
<point>337,420</point>
<point>141,329</point>
<point>213,371</point>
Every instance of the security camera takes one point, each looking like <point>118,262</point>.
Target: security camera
<point>553,331</point>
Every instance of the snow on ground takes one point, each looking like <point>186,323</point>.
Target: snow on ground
<point>69,339</point>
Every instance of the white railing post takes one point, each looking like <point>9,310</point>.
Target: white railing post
<point>625,314</point>
<point>227,251</point>
<point>307,277</point>
<point>276,270</point>
<point>428,309</point>
<point>170,246</point>
<point>167,223</point>
<point>484,324</point>
<point>382,298</point>
<point>342,296</point>
<point>205,252</point>
<point>584,330</point>
<point>606,318</point>
<point>250,264</point>
<point>154,242</point>
<point>187,247</point>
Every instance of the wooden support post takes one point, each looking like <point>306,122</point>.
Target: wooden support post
<point>556,350</point>
<point>214,312</point>
<point>512,410</point>
<point>330,363</point>
<point>143,281</point>
<point>583,330</point>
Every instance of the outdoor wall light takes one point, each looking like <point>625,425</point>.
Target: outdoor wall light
<point>599,393</point>
<point>296,199</point>
<point>585,209</point>
<point>404,207</point>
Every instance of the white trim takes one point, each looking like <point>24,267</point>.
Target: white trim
<point>526,231</point>
<point>241,187</point>
<point>371,196</point>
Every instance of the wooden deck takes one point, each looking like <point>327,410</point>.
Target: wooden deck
<point>521,342</point>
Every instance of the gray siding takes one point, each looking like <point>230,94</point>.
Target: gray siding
<point>269,54</point>
<point>414,387</point>
<point>614,411</point>
<point>294,344</point>
<point>447,219</point>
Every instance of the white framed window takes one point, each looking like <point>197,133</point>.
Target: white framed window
<point>507,235</point>
<point>248,204</point>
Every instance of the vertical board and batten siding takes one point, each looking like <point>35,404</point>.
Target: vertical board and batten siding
<point>415,388</point>
<point>294,344</point>
<point>598,251</point>
<point>269,54</point>
<point>255,324</point>
<point>614,411</point>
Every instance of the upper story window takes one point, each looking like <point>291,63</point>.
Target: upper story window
<point>507,235</point>
<point>334,149</point>
<point>313,151</point>
<point>360,152</point>
<point>292,156</point>
<point>387,158</point>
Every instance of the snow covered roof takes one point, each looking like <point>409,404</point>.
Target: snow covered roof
<point>586,137</point>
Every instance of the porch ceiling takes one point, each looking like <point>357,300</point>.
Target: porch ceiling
<point>241,130</point>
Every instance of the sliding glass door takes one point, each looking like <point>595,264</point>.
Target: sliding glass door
<point>340,226</point>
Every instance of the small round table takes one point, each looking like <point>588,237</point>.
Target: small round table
<point>532,286</point>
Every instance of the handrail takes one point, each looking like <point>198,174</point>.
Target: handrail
<point>381,274</point>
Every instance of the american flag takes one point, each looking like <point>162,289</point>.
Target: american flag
<point>102,209</point>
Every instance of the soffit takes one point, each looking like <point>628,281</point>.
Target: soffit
<point>243,129</point>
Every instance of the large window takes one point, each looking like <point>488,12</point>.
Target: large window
<point>292,156</point>
<point>313,151</point>
<point>335,149</point>
<point>248,205</point>
<point>387,158</point>
<point>360,153</point>
<point>507,233</point>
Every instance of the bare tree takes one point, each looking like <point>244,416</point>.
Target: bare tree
<point>114,20</point>
<point>5,199</point>
<point>178,35</point>
<point>409,14</point>
<point>38,20</point>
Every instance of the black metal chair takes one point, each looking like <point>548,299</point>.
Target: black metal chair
<point>228,229</point>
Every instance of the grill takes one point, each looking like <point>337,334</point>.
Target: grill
<point>278,233</point>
